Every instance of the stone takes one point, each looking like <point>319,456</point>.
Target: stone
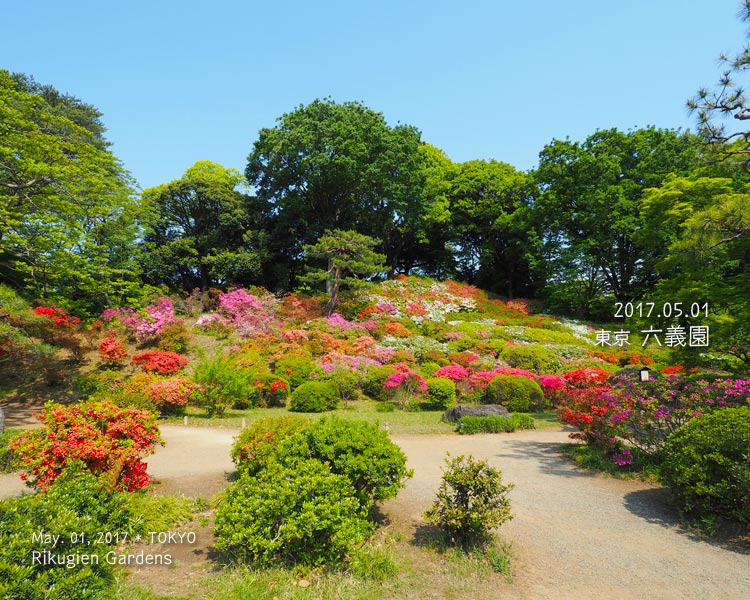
<point>473,410</point>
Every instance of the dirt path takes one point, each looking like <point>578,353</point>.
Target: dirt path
<point>574,534</point>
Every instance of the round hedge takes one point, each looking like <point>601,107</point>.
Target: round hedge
<point>707,464</point>
<point>517,394</point>
<point>530,357</point>
<point>314,397</point>
<point>441,392</point>
<point>256,445</point>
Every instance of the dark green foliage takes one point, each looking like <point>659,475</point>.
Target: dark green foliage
<point>97,381</point>
<point>223,384</point>
<point>517,394</point>
<point>471,501</point>
<point>707,464</point>
<point>8,458</point>
<point>314,396</point>
<point>470,425</point>
<point>302,513</point>
<point>530,357</point>
<point>297,369</point>
<point>348,383</point>
<point>441,393</point>
<point>373,383</point>
<point>363,453</point>
<point>256,445</point>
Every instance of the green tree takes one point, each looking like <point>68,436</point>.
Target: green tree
<point>588,207</point>
<point>338,166</point>
<point>203,230</point>
<point>350,258</point>
<point>491,228</point>
<point>68,213</point>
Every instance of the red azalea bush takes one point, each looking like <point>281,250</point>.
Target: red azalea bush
<point>587,377</point>
<point>162,362</point>
<point>112,350</point>
<point>58,316</point>
<point>102,435</point>
<point>404,385</point>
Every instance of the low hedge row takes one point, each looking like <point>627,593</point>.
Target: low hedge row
<point>471,425</point>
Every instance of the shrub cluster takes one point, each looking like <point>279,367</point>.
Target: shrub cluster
<point>314,397</point>
<point>707,464</point>
<point>441,393</point>
<point>309,488</point>
<point>517,394</point>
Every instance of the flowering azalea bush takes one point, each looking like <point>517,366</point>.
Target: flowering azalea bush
<point>112,350</point>
<point>164,363</point>
<point>58,316</point>
<point>104,437</point>
<point>404,385</point>
<point>420,299</point>
<point>249,314</point>
<point>171,394</point>
<point>455,373</point>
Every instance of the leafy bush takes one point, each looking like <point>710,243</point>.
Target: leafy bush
<point>470,425</point>
<point>302,513</point>
<point>347,382</point>
<point>97,381</point>
<point>441,393</point>
<point>517,394</point>
<point>297,370</point>
<point>471,500</point>
<point>108,439</point>
<point>314,396</point>
<point>112,350</point>
<point>404,386</point>
<point>533,358</point>
<point>372,384</point>
<point>222,384</point>
<point>707,464</point>
<point>174,337</point>
<point>171,395</point>
<point>74,503</point>
<point>363,453</point>
<point>256,445</point>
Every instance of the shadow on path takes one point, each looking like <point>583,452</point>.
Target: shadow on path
<point>547,455</point>
<point>653,506</point>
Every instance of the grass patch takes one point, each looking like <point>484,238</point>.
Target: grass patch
<point>8,458</point>
<point>162,513</point>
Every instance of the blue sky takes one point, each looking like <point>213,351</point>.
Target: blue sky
<point>185,81</point>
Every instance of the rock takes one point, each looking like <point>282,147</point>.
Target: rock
<point>473,410</point>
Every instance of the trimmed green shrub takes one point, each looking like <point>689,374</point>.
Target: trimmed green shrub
<point>427,369</point>
<point>441,393</point>
<point>470,425</point>
<point>8,458</point>
<point>256,445</point>
<point>360,451</point>
<point>297,370</point>
<point>707,464</point>
<point>471,501</point>
<point>530,357</point>
<point>302,514</point>
<point>347,382</point>
<point>374,381</point>
<point>314,396</point>
<point>97,382</point>
<point>517,394</point>
<point>222,384</point>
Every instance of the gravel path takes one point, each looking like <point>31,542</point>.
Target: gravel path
<point>574,534</point>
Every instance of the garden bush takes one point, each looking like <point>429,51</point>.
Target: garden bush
<point>256,445</point>
<point>106,438</point>
<point>303,513</point>
<point>314,396</point>
<point>222,384</point>
<point>707,464</point>
<point>297,370</point>
<point>365,455</point>
<point>347,381</point>
<point>517,394</point>
<point>531,357</point>
<point>471,501</point>
<point>374,380</point>
<point>441,393</point>
<point>159,361</point>
<point>74,503</point>
<point>91,384</point>
<point>471,425</point>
